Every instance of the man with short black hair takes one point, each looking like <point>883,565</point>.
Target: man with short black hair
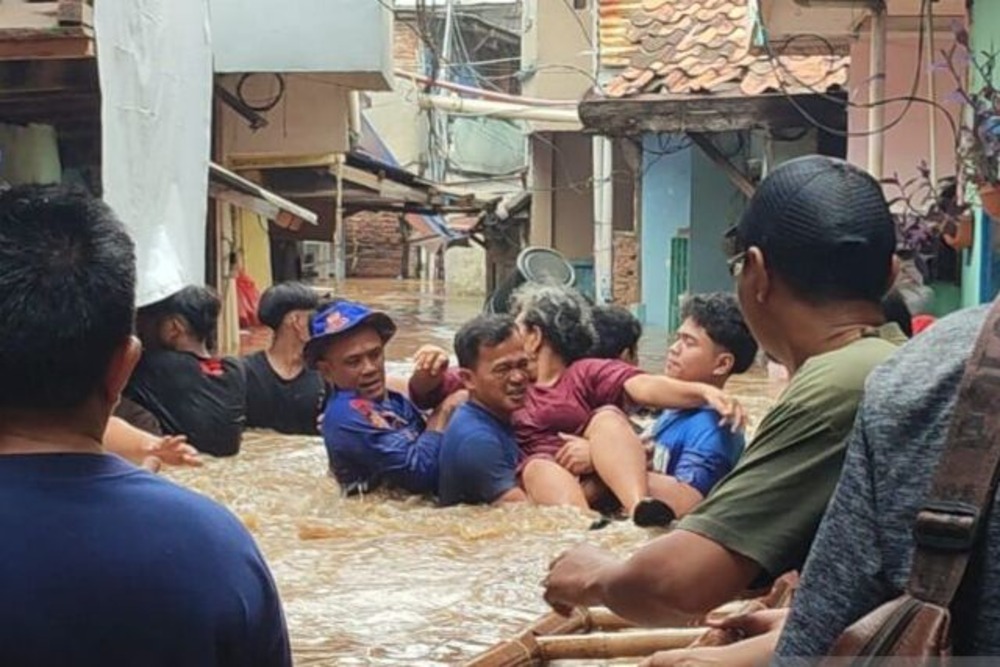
<point>189,390</point>
<point>103,563</point>
<point>479,455</point>
<point>692,450</point>
<point>282,392</point>
<point>812,257</point>
<point>618,333</point>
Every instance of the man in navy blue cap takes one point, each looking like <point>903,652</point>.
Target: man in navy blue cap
<point>373,435</point>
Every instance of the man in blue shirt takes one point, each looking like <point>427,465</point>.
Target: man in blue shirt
<point>479,456</point>
<point>691,450</point>
<point>103,563</point>
<point>373,435</point>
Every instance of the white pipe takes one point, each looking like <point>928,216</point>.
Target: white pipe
<point>339,233</point>
<point>876,92</point>
<point>931,94</point>
<point>603,213</point>
<point>485,94</point>
<point>499,109</point>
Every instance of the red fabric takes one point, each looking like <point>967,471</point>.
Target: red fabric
<point>567,406</point>
<point>248,298</point>
<point>451,383</point>
<point>921,322</point>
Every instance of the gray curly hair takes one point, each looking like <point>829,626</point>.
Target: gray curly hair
<point>563,316</point>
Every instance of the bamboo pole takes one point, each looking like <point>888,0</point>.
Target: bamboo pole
<point>607,645</point>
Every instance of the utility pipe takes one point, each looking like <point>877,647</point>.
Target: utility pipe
<point>931,94</point>
<point>603,213</point>
<point>499,109</point>
<point>876,91</point>
<point>485,94</point>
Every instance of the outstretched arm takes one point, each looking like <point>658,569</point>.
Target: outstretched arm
<point>671,578</point>
<point>660,391</point>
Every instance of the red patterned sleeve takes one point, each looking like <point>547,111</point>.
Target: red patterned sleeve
<point>604,380</point>
<point>450,383</point>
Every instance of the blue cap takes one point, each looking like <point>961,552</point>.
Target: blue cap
<point>339,318</point>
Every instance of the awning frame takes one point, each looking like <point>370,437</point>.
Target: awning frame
<point>233,188</point>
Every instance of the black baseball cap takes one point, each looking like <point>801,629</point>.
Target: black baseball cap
<point>823,224</point>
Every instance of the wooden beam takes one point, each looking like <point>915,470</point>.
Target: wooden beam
<point>709,113</point>
<point>246,161</point>
<point>76,13</point>
<point>54,47</point>
<point>737,177</point>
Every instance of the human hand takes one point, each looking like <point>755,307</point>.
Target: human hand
<point>173,450</point>
<point>753,623</point>
<point>573,576</point>
<point>575,455</point>
<point>431,359</point>
<point>687,657</point>
<point>450,404</point>
<point>731,410</point>
<point>152,464</point>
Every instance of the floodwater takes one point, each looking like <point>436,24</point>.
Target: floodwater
<point>391,581</point>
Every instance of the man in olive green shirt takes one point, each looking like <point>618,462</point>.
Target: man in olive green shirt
<point>812,257</point>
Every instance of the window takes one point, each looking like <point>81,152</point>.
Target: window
<point>579,4</point>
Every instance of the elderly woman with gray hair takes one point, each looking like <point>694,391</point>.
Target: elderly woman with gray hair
<point>572,429</point>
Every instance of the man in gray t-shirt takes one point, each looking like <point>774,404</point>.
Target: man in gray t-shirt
<point>862,553</point>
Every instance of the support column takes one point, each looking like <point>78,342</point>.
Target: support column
<point>339,233</point>
<point>876,91</point>
<point>603,213</point>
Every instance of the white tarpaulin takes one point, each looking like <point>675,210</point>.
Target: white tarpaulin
<point>155,64</point>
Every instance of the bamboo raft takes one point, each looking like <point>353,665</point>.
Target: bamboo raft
<point>599,634</point>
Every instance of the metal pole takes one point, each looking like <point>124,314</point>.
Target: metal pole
<point>931,93</point>
<point>440,118</point>
<point>339,235</point>
<point>876,91</point>
<point>603,213</point>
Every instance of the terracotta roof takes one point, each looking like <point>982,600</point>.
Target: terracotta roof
<point>683,47</point>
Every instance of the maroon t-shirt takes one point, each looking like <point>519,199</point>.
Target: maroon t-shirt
<point>567,405</point>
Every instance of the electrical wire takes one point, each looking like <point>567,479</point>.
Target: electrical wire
<point>908,99</point>
<point>265,106</point>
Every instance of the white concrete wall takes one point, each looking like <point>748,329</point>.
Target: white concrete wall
<point>465,270</point>
<point>349,37</point>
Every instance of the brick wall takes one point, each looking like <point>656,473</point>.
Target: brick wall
<point>374,245</point>
<point>405,47</point>
<point>625,269</point>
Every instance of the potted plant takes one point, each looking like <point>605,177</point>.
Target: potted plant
<point>926,212</point>
<point>978,149</point>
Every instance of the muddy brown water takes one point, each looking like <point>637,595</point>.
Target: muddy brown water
<point>395,581</point>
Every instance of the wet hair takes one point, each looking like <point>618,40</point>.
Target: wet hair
<point>67,294</point>
<point>719,315</point>
<point>563,316</point>
<point>618,331</point>
<point>199,306</point>
<point>895,309</point>
<point>279,300</point>
<point>488,330</point>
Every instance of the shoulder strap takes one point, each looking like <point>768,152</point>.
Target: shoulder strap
<point>951,519</point>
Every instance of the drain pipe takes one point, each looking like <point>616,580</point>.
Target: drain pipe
<point>876,91</point>
<point>603,213</point>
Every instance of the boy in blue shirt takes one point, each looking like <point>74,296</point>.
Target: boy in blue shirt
<point>691,450</point>
<point>479,455</point>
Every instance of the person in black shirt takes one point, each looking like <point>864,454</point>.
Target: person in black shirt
<point>190,391</point>
<point>282,393</point>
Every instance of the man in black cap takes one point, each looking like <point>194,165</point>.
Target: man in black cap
<point>812,258</point>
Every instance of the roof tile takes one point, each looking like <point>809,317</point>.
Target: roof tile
<point>676,47</point>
